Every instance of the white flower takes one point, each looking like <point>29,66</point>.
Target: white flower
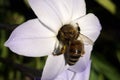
<point>37,37</point>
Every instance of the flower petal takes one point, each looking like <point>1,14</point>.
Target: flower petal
<point>89,25</point>
<point>66,75</point>
<point>53,67</point>
<point>70,75</point>
<point>63,8</point>
<point>31,39</point>
<point>85,74</point>
<point>49,12</point>
<point>79,9</point>
<point>81,65</point>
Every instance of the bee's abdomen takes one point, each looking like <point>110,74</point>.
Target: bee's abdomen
<point>75,52</point>
<point>73,58</point>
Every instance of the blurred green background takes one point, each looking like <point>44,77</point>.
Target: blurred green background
<point>105,55</point>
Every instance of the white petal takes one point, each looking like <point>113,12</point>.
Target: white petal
<point>70,75</point>
<point>79,9</point>
<point>63,8</point>
<point>85,74</point>
<point>53,67</point>
<point>31,39</point>
<point>66,75</point>
<point>62,76</point>
<point>81,65</point>
<point>89,25</point>
<point>47,13</point>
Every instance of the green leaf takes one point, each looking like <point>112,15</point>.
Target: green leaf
<point>108,4</point>
<point>101,66</point>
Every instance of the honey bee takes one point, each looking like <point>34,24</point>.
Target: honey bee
<point>69,45</point>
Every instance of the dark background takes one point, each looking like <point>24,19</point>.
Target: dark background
<point>105,55</point>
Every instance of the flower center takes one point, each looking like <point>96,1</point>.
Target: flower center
<point>67,33</point>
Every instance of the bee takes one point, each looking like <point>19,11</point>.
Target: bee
<point>71,43</point>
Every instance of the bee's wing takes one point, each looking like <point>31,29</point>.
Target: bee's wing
<point>85,39</point>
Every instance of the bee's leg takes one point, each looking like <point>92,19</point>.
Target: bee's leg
<point>59,51</point>
<point>56,54</point>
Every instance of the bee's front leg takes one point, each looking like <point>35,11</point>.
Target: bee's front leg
<point>58,52</point>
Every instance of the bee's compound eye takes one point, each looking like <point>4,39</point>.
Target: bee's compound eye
<point>78,28</point>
